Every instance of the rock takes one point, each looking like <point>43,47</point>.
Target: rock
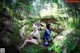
<point>58,30</point>
<point>23,31</point>
<point>11,49</point>
<point>5,40</point>
<point>51,20</point>
<point>4,27</point>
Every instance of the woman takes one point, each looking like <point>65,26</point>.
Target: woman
<point>34,37</point>
<point>47,35</point>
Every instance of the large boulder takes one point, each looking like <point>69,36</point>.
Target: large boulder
<point>51,20</point>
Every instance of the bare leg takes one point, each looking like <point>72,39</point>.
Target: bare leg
<point>30,41</point>
<point>25,43</point>
<point>34,41</point>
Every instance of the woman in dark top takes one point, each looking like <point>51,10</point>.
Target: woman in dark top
<point>47,34</point>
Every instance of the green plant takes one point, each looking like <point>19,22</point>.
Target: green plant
<point>14,36</point>
<point>69,44</point>
<point>32,48</point>
<point>58,49</point>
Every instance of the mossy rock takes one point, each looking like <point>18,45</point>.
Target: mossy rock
<point>51,20</point>
<point>58,30</point>
<point>32,48</point>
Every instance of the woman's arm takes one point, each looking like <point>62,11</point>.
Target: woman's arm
<point>30,35</point>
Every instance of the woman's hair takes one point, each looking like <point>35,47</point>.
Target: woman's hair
<point>48,25</point>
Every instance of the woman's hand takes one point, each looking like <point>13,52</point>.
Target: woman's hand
<point>29,37</point>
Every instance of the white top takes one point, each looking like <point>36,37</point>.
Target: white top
<point>36,34</point>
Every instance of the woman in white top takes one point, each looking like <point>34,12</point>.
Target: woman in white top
<point>34,37</point>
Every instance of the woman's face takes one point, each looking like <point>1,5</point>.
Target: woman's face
<point>34,29</point>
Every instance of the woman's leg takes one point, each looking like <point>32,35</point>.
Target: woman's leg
<point>30,41</point>
<point>35,41</point>
<point>25,43</point>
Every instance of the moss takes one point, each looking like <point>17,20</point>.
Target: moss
<point>32,48</point>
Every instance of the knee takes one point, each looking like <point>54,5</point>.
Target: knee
<point>26,40</point>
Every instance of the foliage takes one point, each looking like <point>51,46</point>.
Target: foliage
<point>33,49</point>
<point>69,44</point>
<point>9,11</point>
<point>55,47</point>
<point>72,41</point>
<point>51,9</point>
<point>20,10</point>
<point>77,23</point>
<point>14,36</point>
<point>69,23</point>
